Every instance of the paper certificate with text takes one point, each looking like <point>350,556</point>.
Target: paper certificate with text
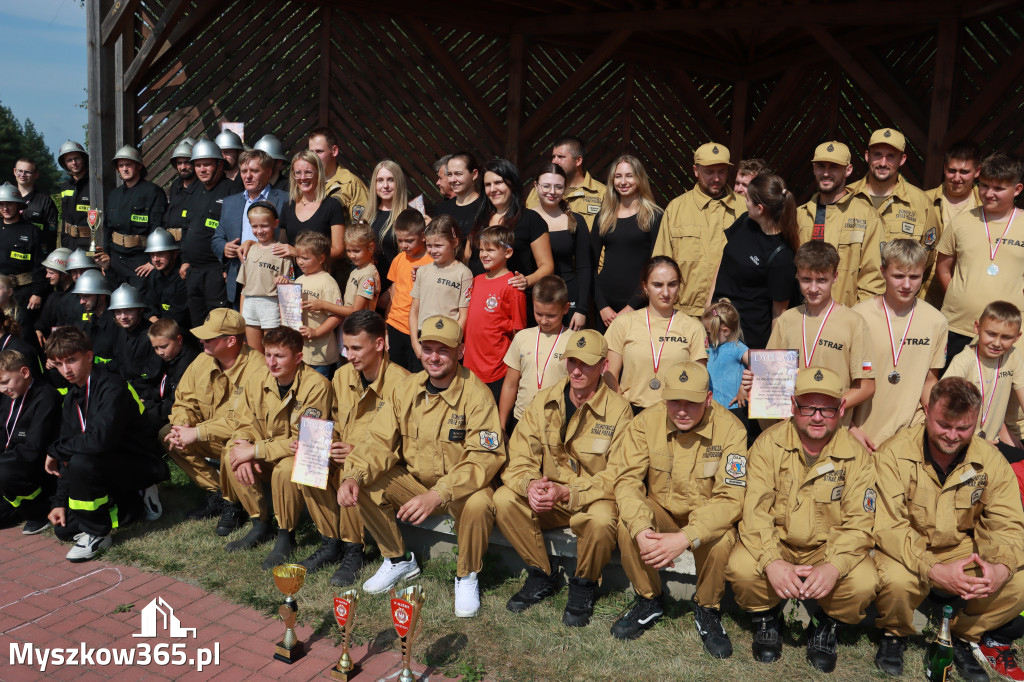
<point>313,456</point>
<point>774,379</point>
<point>289,298</point>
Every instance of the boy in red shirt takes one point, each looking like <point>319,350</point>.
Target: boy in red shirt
<point>497,310</point>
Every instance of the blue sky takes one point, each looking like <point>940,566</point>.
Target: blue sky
<point>43,53</point>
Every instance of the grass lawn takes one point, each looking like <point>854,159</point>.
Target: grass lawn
<point>495,645</point>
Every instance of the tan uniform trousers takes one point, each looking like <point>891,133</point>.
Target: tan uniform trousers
<point>593,526</point>
<point>331,519</point>
<point>474,517</point>
<point>193,462</point>
<point>710,559</point>
<point>287,497</point>
<point>900,592</point>
<point>847,602</point>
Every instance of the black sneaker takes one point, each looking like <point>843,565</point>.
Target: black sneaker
<point>767,642</point>
<point>284,546</point>
<point>889,658</point>
<point>329,552</point>
<point>822,644</point>
<point>538,587</point>
<point>642,615</point>
<point>260,533</point>
<point>351,564</point>
<point>232,517</point>
<point>966,664</point>
<point>211,507</point>
<point>580,606</point>
<point>709,627</point>
<point>35,526</point>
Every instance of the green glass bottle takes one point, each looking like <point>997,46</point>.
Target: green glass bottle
<point>939,661</point>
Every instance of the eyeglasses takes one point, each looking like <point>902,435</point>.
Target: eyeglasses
<point>809,410</point>
<point>299,175</point>
<point>558,189</point>
<point>23,172</point>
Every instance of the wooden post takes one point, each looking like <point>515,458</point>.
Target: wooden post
<point>325,65</point>
<point>942,94</point>
<point>124,100</point>
<point>739,120</point>
<point>514,106</point>
<point>101,77</point>
<point>627,107</point>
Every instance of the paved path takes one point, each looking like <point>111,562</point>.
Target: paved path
<point>48,602</point>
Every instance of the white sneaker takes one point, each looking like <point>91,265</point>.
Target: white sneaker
<point>88,546</point>
<point>151,502</point>
<point>389,573</point>
<point>467,596</point>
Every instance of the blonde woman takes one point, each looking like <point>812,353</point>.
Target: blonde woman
<point>309,209</point>
<point>389,197</point>
<point>623,237</point>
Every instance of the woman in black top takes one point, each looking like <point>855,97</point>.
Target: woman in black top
<point>390,197</point>
<point>531,252</point>
<point>463,178</point>
<point>757,273</point>
<point>623,237</point>
<point>570,242</point>
<point>310,209</point>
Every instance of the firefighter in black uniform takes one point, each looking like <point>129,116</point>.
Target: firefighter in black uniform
<point>39,207</point>
<point>271,145</point>
<point>168,340</point>
<point>74,196</point>
<point>55,268</point>
<point>134,356</point>
<point>181,189</point>
<point>21,256</point>
<point>163,289</point>
<point>132,211</point>
<point>204,274</point>
<point>96,318</point>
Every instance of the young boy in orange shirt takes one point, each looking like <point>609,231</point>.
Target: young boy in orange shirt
<point>409,228</point>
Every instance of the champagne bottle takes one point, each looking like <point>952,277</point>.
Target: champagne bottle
<point>939,660</point>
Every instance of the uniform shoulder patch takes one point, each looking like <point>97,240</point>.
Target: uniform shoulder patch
<point>736,466</point>
<point>489,440</point>
<point>312,412</point>
<point>930,237</point>
<point>869,500</point>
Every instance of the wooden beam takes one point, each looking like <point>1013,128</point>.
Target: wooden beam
<point>191,24</point>
<point>739,119</point>
<point>100,68</point>
<point>172,12</point>
<point>514,101</point>
<point>447,64</point>
<point>872,89</point>
<point>435,12</point>
<point>942,95</point>
<point>985,101</point>
<point>117,19</point>
<point>782,97</point>
<point>698,105</point>
<point>325,66</point>
<point>627,107</point>
<point>578,77</point>
<point>124,102</point>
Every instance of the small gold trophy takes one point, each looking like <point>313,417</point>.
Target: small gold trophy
<point>289,579</point>
<point>93,218</point>
<point>405,612</point>
<point>345,614</point>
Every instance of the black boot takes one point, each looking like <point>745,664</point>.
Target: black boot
<point>329,552</point>
<point>709,627</point>
<point>767,644</point>
<point>232,517</point>
<point>538,586</point>
<point>211,507</point>
<point>260,533</point>
<point>965,662</point>
<point>351,564</point>
<point>284,546</point>
<point>822,643</point>
<point>580,606</point>
<point>889,657</point>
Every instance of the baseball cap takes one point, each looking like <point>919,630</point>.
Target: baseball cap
<point>818,380</point>
<point>264,204</point>
<point>686,381</point>
<point>832,152</point>
<point>711,153</point>
<point>220,322</point>
<point>586,345</point>
<point>440,328</point>
<point>889,136</point>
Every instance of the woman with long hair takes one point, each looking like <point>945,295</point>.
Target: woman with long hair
<point>623,238</point>
<point>309,208</point>
<point>570,242</point>
<point>464,180</point>
<point>389,197</point>
<point>757,272</point>
<point>503,205</point>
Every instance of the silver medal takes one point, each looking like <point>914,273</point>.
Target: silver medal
<point>655,383</point>
<point>992,270</point>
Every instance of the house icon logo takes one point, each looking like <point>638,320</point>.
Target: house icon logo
<point>158,614</point>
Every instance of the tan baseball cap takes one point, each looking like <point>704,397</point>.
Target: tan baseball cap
<point>587,345</point>
<point>440,328</point>
<point>818,380</point>
<point>220,322</point>
<point>832,152</point>
<point>686,381</point>
<point>889,136</point>
<point>711,153</point>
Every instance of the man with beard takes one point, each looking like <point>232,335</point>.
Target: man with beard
<point>582,192</point>
<point>845,220</point>
<point>341,183</point>
<point>181,189</point>
<point>693,227</point>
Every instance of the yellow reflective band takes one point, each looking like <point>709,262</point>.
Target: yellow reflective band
<point>67,193</point>
<point>165,306</point>
<point>88,505</point>
<point>184,214</point>
<point>140,218</point>
<point>96,360</point>
<point>62,391</point>
<point>83,208</point>
<point>142,408</point>
<point>16,502</point>
<point>20,256</point>
<point>86,317</point>
<point>113,516</point>
<point>211,223</point>
<point>39,225</point>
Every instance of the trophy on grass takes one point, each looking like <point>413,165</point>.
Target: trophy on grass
<point>405,612</point>
<point>345,614</point>
<point>93,218</point>
<point>289,579</point>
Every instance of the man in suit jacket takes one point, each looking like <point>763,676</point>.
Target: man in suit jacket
<point>256,168</point>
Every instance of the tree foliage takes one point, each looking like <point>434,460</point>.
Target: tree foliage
<point>16,141</point>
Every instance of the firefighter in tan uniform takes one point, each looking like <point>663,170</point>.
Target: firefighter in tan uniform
<point>361,388</point>
<point>583,193</point>
<point>201,423</point>
<point>950,520</point>
<point>845,220</point>
<point>341,183</point>
<point>693,228</point>
<point>558,476</point>
<point>806,526</point>
<point>434,449</point>
<point>680,476</point>
<point>267,421</point>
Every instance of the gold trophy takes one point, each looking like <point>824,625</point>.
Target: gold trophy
<point>405,612</point>
<point>289,579</point>
<point>345,614</point>
<point>93,218</point>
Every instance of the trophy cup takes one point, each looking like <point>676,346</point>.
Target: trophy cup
<point>345,614</point>
<point>289,579</point>
<point>405,612</point>
<point>93,218</point>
